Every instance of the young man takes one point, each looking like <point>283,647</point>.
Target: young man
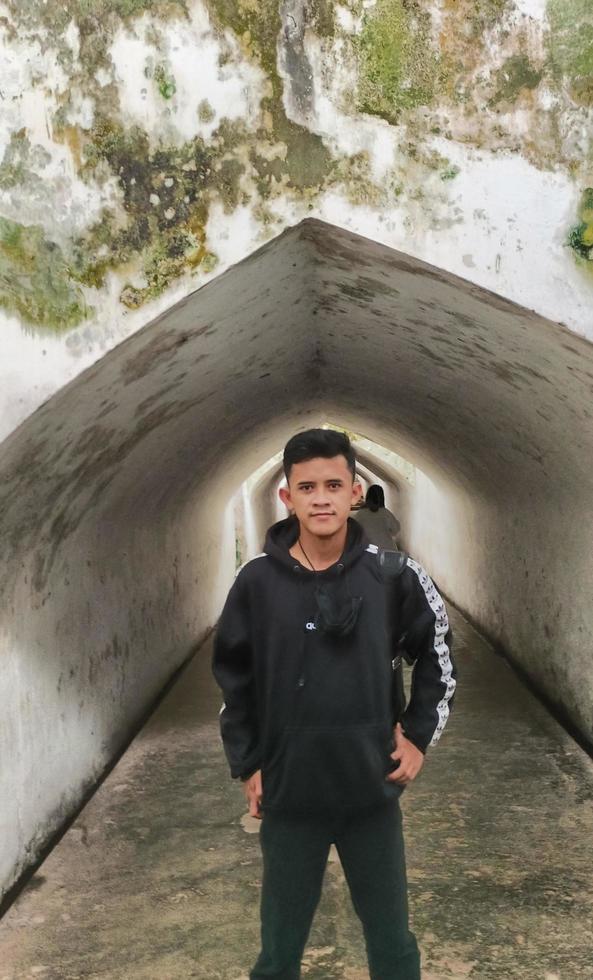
<point>311,723</point>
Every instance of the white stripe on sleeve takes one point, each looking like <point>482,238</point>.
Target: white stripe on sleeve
<point>441,628</point>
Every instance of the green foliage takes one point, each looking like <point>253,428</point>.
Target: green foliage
<point>576,240</point>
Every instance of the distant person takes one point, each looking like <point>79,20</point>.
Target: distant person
<point>379,524</point>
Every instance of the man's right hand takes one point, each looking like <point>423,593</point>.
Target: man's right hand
<point>252,788</point>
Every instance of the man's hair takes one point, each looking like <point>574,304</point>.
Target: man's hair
<point>375,497</point>
<point>315,443</point>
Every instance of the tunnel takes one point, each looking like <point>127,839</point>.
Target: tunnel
<point>119,494</point>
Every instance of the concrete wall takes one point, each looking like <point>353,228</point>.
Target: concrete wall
<point>458,133</point>
<point>116,497</point>
<point>86,649</point>
<point>519,565</point>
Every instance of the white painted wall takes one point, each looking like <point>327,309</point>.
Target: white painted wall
<point>83,659</point>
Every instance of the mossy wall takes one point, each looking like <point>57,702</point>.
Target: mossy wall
<point>145,145</point>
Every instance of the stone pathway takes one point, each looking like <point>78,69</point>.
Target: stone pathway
<point>159,877</point>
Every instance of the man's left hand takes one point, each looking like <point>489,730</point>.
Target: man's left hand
<point>410,759</point>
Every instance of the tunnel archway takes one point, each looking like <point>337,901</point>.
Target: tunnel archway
<point>116,494</point>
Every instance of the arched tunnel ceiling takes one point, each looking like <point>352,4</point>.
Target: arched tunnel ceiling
<point>319,323</point>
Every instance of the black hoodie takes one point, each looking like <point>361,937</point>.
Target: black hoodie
<point>313,710</point>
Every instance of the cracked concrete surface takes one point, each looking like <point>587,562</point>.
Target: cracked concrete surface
<point>158,878</point>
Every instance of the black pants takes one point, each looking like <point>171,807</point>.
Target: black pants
<point>370,845</point>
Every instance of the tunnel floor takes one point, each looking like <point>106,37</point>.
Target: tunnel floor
<point>158,878</point>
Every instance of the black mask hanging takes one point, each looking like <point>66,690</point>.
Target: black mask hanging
<point>336,615</point>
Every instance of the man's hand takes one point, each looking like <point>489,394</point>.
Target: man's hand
<point>409,757</point>
<point>252,788</point>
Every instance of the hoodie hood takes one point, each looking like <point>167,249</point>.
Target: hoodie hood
<point>283,535</point>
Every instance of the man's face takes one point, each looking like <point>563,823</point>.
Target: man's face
<point>321,493</point>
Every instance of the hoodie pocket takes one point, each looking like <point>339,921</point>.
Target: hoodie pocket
<point>329,768</point>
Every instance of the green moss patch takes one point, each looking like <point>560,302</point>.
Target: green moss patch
<point>399,69</point>
<point>488,13</point>
<point>516,75</point>
<point>206,113</point>
<point>257,25</point>
<point>97,22</point>
<point>45,12</point>
<point>21,162</point>
<point>580,236</point>
<point>450,172</point>
<point>165,82</point>
<point>34,279</point>
<point>166,195</point>
<point>571,46</point>
<point>323,18</point>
